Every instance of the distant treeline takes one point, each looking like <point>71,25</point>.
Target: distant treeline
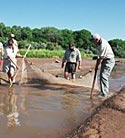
<point>51,38</point>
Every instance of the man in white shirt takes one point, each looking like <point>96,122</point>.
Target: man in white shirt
<point>106,58</point>
<point>10,62</point>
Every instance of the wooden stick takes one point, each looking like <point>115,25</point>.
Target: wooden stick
<point>14,63</point>
<point>94,79</point>
<point>27,51</point>
<point>22,61</point>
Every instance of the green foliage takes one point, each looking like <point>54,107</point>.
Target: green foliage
<point>51,38</point>
<point>43,53</point>
<point>118,47</point>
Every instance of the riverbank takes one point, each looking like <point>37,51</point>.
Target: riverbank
<point>107,120</point>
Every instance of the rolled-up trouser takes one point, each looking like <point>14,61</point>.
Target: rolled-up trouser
<point>106,68</point>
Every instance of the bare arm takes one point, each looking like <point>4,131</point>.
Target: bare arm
<point>79,65</point>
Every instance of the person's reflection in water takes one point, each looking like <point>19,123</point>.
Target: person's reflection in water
<point>11,109</point>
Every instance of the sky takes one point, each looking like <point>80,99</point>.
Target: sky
<point>105,17</point>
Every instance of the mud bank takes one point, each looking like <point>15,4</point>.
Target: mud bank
<point>107,120</point>
<point>62,107</point>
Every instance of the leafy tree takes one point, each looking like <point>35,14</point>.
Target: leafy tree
<point>82,38</point>
<point>2,27</point>
<point>17,31</point>
<point>51,38</point>
<point>26,33</point>
<point>118,47</point>
<point>66,38</point>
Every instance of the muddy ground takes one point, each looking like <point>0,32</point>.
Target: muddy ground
<point>107,120</point>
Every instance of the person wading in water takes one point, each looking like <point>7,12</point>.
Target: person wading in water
<point>72,56</point>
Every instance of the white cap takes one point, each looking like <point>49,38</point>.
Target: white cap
<point>95,36</point>
<point>12,35</point>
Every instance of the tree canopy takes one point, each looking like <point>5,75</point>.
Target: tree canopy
<point>52,38</point>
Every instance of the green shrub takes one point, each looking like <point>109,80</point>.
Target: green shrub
<point>44,53</point>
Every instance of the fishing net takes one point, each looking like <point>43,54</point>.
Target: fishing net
<point>26,75</point>
<point>30,73</point>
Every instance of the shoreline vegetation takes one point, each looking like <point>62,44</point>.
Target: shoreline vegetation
<point>51,38</point>
<point>44,53</point>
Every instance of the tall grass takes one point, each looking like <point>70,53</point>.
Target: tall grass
<point>44,53</point>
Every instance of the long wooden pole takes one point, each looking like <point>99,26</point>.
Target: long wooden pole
<point>13,63</point>
<point>94,79</point>
<point>27,51</point>
<point>22,60</point>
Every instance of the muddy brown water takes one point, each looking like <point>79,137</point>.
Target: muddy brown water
<point>46,110</point>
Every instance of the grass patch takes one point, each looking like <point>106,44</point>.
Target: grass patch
<point>44,53</point>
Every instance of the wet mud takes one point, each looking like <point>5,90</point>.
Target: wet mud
<point>107,120</point>
<point>42,111</point>
<point>41,108</point>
